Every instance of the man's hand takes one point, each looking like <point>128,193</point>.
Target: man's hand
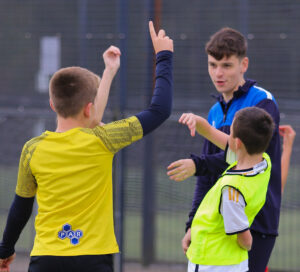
<point>186,241</point>
<point>5,263</point>
<point>111,59</point>
<point>288,134</point>
<point>190,120</point>
<point>181,170</point>
<point>160,41</point>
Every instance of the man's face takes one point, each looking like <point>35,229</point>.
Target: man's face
<point>227,74</point>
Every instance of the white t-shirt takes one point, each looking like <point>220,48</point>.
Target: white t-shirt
<point>233,211</point>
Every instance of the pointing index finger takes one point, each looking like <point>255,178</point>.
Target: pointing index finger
<point>152,31</point>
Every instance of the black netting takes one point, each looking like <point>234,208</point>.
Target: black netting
<point>38,37</point>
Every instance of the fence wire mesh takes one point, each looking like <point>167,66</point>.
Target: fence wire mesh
<point>38,37</point>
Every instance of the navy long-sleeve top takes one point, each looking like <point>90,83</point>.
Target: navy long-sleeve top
<point>212,163</point>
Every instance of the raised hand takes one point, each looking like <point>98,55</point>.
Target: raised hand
<point>181,169</point>
<point>111,59</point>
<point>288,134</point>
<point>160,41</point>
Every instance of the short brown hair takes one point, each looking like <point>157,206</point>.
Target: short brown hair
<point>254,127</point>
<point>225,43</point>
<point>71,89</point>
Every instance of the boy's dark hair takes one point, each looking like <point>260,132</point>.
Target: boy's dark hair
<point>225,43</point>
<point>71,89</point>
<point>254,127</point>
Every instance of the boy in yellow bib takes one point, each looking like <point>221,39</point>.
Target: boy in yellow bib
<point>220,235</point>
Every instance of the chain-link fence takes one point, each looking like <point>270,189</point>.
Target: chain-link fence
<point>39,37</point>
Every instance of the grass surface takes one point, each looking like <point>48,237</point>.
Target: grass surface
<point>169,232</point>
<point>173,201</point>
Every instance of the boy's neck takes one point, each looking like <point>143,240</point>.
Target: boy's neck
<point>65,124</point>
<point>246,161</point>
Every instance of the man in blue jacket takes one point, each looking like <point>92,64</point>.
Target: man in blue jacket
<point>227,64</point>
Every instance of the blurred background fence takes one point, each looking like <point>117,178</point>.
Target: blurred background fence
<point>39,37</point>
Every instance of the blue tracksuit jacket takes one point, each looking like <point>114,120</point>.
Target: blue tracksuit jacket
<point>211,163</point>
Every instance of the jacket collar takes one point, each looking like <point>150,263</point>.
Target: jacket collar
<point>238,93</point>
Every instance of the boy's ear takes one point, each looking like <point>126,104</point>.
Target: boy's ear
<point>238,143</point>
<point>87,110</point>
<point>51,105</point>
<point>245,63</point>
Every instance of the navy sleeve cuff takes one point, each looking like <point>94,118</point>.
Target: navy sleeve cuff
<point>236,232</point>
<point>18,216</point>
<point>210,164</point>
<point>197,162</point>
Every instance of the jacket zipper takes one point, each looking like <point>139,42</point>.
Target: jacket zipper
<point>225,109</point>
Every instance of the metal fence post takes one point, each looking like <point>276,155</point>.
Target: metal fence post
<point>82,17</point>
<point>122,15</point>
<point>243,16</point>
<point>148,236</point>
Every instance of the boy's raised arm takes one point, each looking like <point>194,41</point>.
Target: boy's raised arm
<point>144,122</point>
<point>111,59</point>
<point>161,103</point>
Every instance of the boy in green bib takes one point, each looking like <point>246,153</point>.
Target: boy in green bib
<point>220,235</point>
